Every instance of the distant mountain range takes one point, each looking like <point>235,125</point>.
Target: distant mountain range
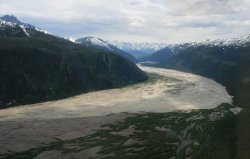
<point>172,49</point>
<point>139,50</point>
<point>164,53</point>
<point>143,51</point>
<point>36,66</point>
<point>101,45</point>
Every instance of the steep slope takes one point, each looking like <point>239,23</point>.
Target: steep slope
<point>8,29</point>
<point>99,44</point>
<point>42,67</point>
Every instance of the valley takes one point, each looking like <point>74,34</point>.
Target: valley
<point>167,90</point>
<point>91,125</point>
<point>86,97</point>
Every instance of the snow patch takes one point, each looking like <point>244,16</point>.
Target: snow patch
<point>43,31</point>
<point>24,30</point>
<point>98,42</point>
<point>148,47</point>
<point>236,110</point>
<point>70,39</point>
<point>5,24</point>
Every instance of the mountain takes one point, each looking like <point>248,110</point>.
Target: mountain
<point>8,29</point>
<point>227,61</point>
<point>158,56</point>
<point>139,50</point>
<point>101,45</point>
<point>223,60</point>
<point>11,26</point>
<point>70,39</point>
<point>12,19</point>
<point>168,51</point>
<point>41,67</point>
<point>172,49</point>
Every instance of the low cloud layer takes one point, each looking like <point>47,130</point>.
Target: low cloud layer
<point>169,21</point>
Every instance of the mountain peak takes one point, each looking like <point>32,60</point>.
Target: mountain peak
<point>99,44</point>
<point>10,18</point>
<point>15,20</point>
<point>94,39</point>
<point>90,41</point>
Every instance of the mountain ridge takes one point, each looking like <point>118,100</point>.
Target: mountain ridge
<point>43,67</point>
<point>15,20</point>
<point>99,44</point>
<point>172,49</point>
<point>138,49</point>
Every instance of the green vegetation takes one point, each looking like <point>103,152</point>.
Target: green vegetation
<point>193,134</point>
<point>43,67</point>
<point>228,65</point>
<point>14,31</point>
<point>153,77</point>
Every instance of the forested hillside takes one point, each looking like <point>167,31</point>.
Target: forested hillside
<point>228,65</point>
<point>41,67</point>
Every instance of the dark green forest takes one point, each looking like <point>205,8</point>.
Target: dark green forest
<point>43,67</point>
<point>228,65</point>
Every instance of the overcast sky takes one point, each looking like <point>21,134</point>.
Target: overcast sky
<point>171,21</point>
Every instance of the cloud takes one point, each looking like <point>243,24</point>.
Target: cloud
<point>136,20</point>
<point>201,7</point>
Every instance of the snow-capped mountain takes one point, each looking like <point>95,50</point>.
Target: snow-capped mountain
<point>70,39</point>
<point>10,24</point>
<point>103,46</point>
<point>144,51</point>
<point>14,20</point>
<point>173,49</point>
<point>242,41</point>
<point>166,52</point>
<point>95,42</point>
<point>6,24</point>
<point>150,47</point>
<point>12,29</point>
<point>139,49</point>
